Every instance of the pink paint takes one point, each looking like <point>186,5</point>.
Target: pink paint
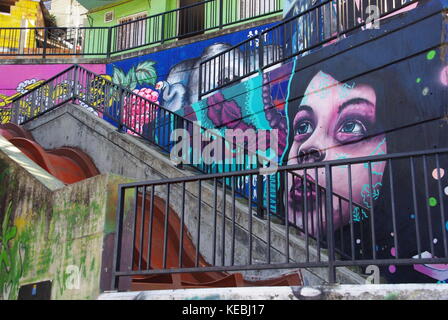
<point>393,252</point>
<point>435,271</point>
<point>392,269</point>
<point>12,75</point>
<point>444,76</point>
<point>408,8</point>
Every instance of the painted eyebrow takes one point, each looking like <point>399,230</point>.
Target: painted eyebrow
<point>354,101</point>
<point>304,108</point>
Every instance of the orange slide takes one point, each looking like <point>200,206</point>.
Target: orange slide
<point>71,165</point>
<point>182,280</point>
<point>68,164</point>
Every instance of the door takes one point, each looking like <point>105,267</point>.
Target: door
<point>131,31</point>
<point>191,19</point>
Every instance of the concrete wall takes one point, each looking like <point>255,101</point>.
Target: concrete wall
<point>339,292</point>
<point>52,232</point>
<point>125,155</point>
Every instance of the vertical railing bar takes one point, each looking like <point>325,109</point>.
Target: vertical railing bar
<point>142,224</point>
<point>251,194</point>
<point>428,208</point>
<point>444,223</point>
<point>151,222</point>
<point>182,225</point>
<point>232,255</point>
<point>350,197</point>
<point>392,198</point>
<point>198,235</point>
<point>330,228</point>
<point>215,217</point>
<point>133,227</point>
<point>372,215</point>
<point>165,232</point>
<point>414,194</point>
<point>286,192</point>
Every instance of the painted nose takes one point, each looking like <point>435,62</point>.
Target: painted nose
<point>311,155</point>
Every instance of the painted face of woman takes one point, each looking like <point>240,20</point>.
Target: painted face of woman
<point>334,121</point>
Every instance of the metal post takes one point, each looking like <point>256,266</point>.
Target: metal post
<point>200,82</point>
<point>120,111</point>
<point>15,109</point>
<point>330,227</point>
<point>163,29</point>
<point>109,41</point>
<point>75,80</point>
<point>221,13</point>
<point>260,53</point>
<point>44,53</point>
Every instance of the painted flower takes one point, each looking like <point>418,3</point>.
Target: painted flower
<point>138,112</point>
<point>224,112</point>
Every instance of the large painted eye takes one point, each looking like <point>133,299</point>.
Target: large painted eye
<point>353,127</point>
<point>304,127</point>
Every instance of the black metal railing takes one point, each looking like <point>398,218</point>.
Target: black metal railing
<point>224,234</point>
<point>133,114</point>
<point>321,24</point>
<point>156,29</point>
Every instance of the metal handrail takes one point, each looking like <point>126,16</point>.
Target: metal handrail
<point>326,243</point>
<point>98,41</point>
<point>281,57</point>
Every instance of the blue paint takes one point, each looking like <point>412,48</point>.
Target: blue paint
<point>166,59</point>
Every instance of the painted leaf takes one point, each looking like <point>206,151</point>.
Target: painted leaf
<point>146,73</point>
<point>4,258</point>
<point>119,77</point>
<point>10,234</point>
<point>131,79</point>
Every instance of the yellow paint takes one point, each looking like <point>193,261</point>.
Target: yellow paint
<point>20,223</point>
<point>27,10</point>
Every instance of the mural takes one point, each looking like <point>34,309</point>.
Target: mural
<point>23,78</point>
<point>354,105</point>
<point>171,76</point>
<point>311,29</point>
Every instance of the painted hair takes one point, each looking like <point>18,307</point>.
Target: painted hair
<point>410,111</point>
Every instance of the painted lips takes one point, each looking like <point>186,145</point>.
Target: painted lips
<point>297,193</point>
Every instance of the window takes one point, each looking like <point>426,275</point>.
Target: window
<point>254,8</point>
<point>109,16</point>
<point>130,32</point>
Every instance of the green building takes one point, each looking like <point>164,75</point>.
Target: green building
<point>132,24</point>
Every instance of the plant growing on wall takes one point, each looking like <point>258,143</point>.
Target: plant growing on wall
<point>8,233</point>
<point>10,270</point>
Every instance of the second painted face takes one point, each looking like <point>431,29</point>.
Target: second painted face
<point>335,121</point>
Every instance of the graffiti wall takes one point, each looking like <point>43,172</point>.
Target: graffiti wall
<point>170,77</point>
<point>19,79</point>
<point>54,234</point>
<point>387,96</point>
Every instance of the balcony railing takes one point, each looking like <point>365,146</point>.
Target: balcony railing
<point>321,24</point>
<point>156,29</point>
